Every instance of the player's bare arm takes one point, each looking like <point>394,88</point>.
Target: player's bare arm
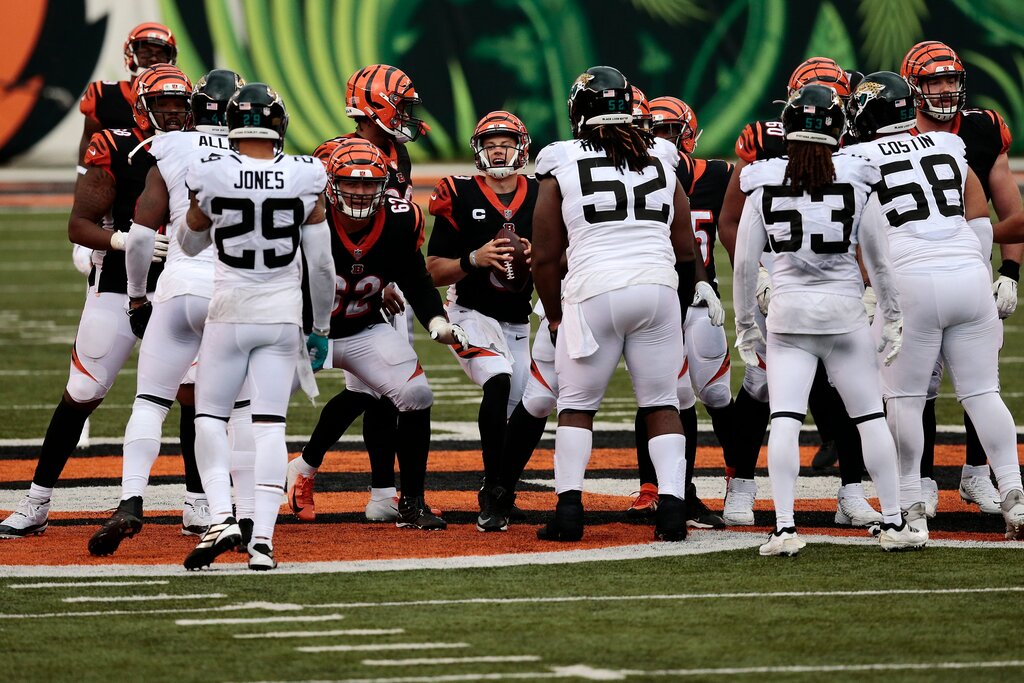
<point>1006,201</point>
<point>549,242</point>
<point>94,196</point>
<point>732,208</point>
<point>447,271</point>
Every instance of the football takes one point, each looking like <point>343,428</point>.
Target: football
<point>516,273</point>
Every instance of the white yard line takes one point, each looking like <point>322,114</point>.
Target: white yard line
<point>144,598</point>
<point>451,660</point>
<point>258,620</point>
<point>87,584</point>
<point>269,606</point>
<point>381,647</point>
<point>322,634</point>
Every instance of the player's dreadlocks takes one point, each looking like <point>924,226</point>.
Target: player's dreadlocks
<point>810,166</point>
<point>626,145</point>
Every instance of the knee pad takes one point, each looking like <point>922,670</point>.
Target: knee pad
<point>415,396</point>
<point>83,389</point>
<point>146,422</point>
<point>718,394</point>
<point>539,405</point>
<point>755,381</point>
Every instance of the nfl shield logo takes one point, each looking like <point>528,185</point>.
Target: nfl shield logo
<point>508,214</point>
<point>358,253</point>
<point>357,268</point>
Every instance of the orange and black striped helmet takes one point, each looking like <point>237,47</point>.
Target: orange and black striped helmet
<point>384,94</point>
<point>641,109</point>
<point>501,123</point>
<point>355,160</point>
<point>148,32</point>
<point>820,70</point>
<point>325,149</point>
<point>932,59</point>
<point>675,120</point>
<point>150,87</point>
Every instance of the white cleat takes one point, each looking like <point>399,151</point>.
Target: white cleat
<point>930,491</point>
<point>782,543</point>
<point>853,509</point>
<point>981,492</point>
<point>917,517</point>
<point>30,518</point>
<point>261,557</point>
<point>739,502</point>
<point>382,509</point>
<point>195,517</point>
<point>901,537</point>
<point>83,440</point>
<point>1012,508</point>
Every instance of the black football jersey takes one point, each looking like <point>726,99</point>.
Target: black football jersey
<point>386,250</point>
<point>109,151</point>
<point>986,136</point>
<point>705,182</point>
<point>467,215</point>
<point>761,140</point>
<point>107,102</point>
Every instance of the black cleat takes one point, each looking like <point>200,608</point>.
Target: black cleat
<point>670,524</point>
<point>516,514</point>
<point>494,514</point>
<point>414,513</point>
<point>826,457</point>
<point>218,539</point>
<point>245,526</point>
<point>124,523</point>
<point>698,516</point>
<point>568,522</point>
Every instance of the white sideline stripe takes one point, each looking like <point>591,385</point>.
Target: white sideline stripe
<point>319,634</point>
<point>676,596</point>
<point>699,543</point>
<point>273,607</point>
<point>807,488</point>
<point>380,647</point>
<point>257,620</point>
<point>143,598</point>
<point>450,660</point>
<point>85,584</point>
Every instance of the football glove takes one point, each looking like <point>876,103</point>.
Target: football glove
<point>446,333</point>
<point>118,240</point>
<point>160,248</point>
<point>763,290</point>
<point>1005,291</point>
<point>747,342</point>
<point>892,334</point>
<point>316,345</point>
<point>138,318</point>
<point>706,293</point>
<point>870,300</point>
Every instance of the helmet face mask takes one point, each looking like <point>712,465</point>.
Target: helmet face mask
<point>935,70</point>
<point>357,177</point>
<point>500,130</point>
<point>641,110</point>
<point>210,99</point>
<point>149,44</point>
<point>675,121</point>
<point>814,113</point>
<point>256,112</point>
<point>161,99</point>
<point>883,103</point>
<point>600,96</point>
<point>386,96</point>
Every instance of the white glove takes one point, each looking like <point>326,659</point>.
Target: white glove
<point>706,293</point>
<point>446,333</point>
<point>870,300</point>
<point>892,333</point>
<point>747,342</point>
<point>160,248</point>
<point>1005,291</point>
<point>82,258</point>
<point>118,239</point>
<point>764,290</point>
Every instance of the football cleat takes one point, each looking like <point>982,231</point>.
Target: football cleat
<point>30,518</point>
<point>739,502</point>
<point>853,509</point>
<point>414,513</point>
<point>826,457</point>
<point>494,512</point>
<point>195,517</point>
<point>218,539</point>
<point>980,492</point>
<point>382,509</point>
<point>124,523</point>
<point>671,519</point>
<point>567,524</point>
<point>646,503</point>
<point>245,526</point>
<point>516,514</point>
<point>917,517</point>
<point>698,516</point>
<point>902,536</point>
<point>1013,512</point>
<point>299,490</point>
<point>261,557</point>
<point>783,542</point>
<point>930,490</point>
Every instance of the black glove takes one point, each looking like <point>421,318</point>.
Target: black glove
<point>138,318</point>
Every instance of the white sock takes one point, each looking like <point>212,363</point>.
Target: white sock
<point>880,462</point>
<point>668,454</point>
<point>213,457</point>
<point>975,471</point>
<point>383,494</point>
<point>784,467</point>
<point>141,446</point>
<point>38,493</point>
<point>304,468</point>
<point>998,437</point>
<point>572,453</point>
<point>243,461</point>
<point>271,470</point>
<point>903,415</point>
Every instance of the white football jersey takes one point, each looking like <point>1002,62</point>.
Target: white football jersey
<point>258,207</point>
<point>174,153</point>
<point>617,221</point>
<point>816,281</point>
<point>922,196</point>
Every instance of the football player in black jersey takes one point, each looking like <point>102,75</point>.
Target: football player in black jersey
<point>463,253</point>
<point>376,239</point>
<point>381,99</point>
<point>936,70</point>
<point>101,216</point>
<point>765,140</point>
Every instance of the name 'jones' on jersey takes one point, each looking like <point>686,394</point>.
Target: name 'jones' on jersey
<point>257,232</point>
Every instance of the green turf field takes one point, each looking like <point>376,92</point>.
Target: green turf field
<point>41,298</point>
<point>692,619</point>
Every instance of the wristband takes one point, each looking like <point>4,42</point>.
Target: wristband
<point>1010,269</point>
<point>320,333</point>
<point>465,265</point>
<point>472,259</point>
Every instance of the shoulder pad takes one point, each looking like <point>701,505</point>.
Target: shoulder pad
<point>441,198</point>
<point>100,151</point>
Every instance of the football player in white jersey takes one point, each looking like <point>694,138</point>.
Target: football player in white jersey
<point>174,320</point>
<point>610,202</point>
<point>806,208</point>
<point>256,205</point>
<point>940,233</point>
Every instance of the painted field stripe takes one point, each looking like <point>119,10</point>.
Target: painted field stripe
<point>258,620</point>
<point>269,606</point>
<point>144,598</point>
<point>380,647</point>
<point>451,660</point>
<point>319,634</point>
<point>87,584</point>
<point>676,596</point>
